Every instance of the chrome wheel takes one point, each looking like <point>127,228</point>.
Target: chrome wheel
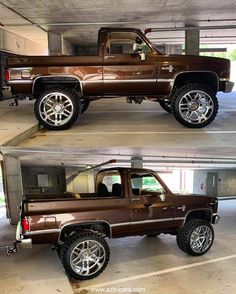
<point>196,107</point>
<point>201,239</point>
<point>56,109</point>
<point>87,257</point>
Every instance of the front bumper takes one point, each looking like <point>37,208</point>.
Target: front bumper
<point>228,86</point>
<point>215,219</point>
<point>23,243</point>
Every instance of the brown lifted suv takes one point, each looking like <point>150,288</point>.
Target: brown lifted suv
<point>126,64</point>
<point>126,202</point>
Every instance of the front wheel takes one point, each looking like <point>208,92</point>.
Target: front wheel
<point>196,237</point>
<point>57,108</point>
<point>85,256</point>
<point>194,105</point>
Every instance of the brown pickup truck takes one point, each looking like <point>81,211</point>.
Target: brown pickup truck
<point>126,202</point>
<point>126,64</point>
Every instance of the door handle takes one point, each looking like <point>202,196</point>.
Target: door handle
<point>164,208</point>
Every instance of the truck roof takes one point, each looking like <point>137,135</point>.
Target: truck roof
<point>129,169</point>
<point>120,29</point>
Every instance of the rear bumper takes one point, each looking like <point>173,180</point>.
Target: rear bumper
<point>215,219</point>
<point>22,242</point>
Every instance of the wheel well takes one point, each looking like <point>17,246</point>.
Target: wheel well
<point>202,214</point>
<point>101,227</point>
<point>209,79</point>
<point>44,83</point>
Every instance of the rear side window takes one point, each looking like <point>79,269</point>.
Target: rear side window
<point>109,184</point>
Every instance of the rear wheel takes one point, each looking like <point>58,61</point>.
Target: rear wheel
<point>194,105</point>
<point>196,237</point>
<point>165,105</point>
<point>57,108</point>
<point>85,255</point>
<point>85,105</point>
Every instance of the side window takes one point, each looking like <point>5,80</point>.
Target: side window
<point>109,184</point>
<point>144,183</point>
<point>125,43</point>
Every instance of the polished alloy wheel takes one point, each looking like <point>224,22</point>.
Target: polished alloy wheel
<point>196,107</point>
<point>56,109</point>
<point>201,239</point>
<point>87,257</point>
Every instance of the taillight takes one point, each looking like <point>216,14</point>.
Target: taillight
<point>7,75</point>
<point>25,224</point>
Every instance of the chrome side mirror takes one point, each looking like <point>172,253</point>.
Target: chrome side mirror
<point>162,197</point>
<point>142,56</point>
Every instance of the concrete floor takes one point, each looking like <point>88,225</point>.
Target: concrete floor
<point>112,123</point>
<point>136,262</point>
<point>16,123</point>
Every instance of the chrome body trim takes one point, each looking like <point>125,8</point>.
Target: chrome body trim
<point>28,81</point>
<point>215,218</point>
<point>40,232</point>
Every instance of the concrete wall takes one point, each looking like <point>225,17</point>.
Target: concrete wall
<point>56,179</point>
<point>13,43</point>
<point>82,183</point>
<point>226,185</point>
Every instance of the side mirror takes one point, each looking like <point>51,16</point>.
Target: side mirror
<point>162,197</point>
<point>142,56</point>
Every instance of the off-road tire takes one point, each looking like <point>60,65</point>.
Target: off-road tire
<point>166,106</point>
<point>179,93</point>
<point>85,105</point>
<point>183,235</point>
<point>69,245</point>
<point>77,108</point>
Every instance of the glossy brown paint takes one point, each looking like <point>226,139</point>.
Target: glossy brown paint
<point>125,216</point>
<point>116,74</point>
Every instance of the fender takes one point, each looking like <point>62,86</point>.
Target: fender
<point>194,71</point>
<point>195,210</point>
<point>82,223</point>
<point>54,77</point>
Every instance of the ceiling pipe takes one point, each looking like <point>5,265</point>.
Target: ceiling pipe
<point>178,29</point>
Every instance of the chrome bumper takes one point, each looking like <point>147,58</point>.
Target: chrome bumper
<point>228,86</point>
<point>21,242</point>
<point>215,219</point>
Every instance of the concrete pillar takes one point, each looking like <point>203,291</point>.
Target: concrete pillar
<point>192,41</point>
<point>13,186</point>
<point>55,44</point>
<point>136,162</point>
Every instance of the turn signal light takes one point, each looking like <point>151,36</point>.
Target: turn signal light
<point>7,75</point>
<point>25,224</point>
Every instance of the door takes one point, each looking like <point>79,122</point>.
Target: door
<point>152,208</point>
<point>124,73</point>
<point>211,184</point>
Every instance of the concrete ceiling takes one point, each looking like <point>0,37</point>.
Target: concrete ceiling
<point>88,16</point>
<point>160,159</point>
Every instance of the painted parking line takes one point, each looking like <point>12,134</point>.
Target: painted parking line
<point>158,273</point>
<point>136,133</point>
